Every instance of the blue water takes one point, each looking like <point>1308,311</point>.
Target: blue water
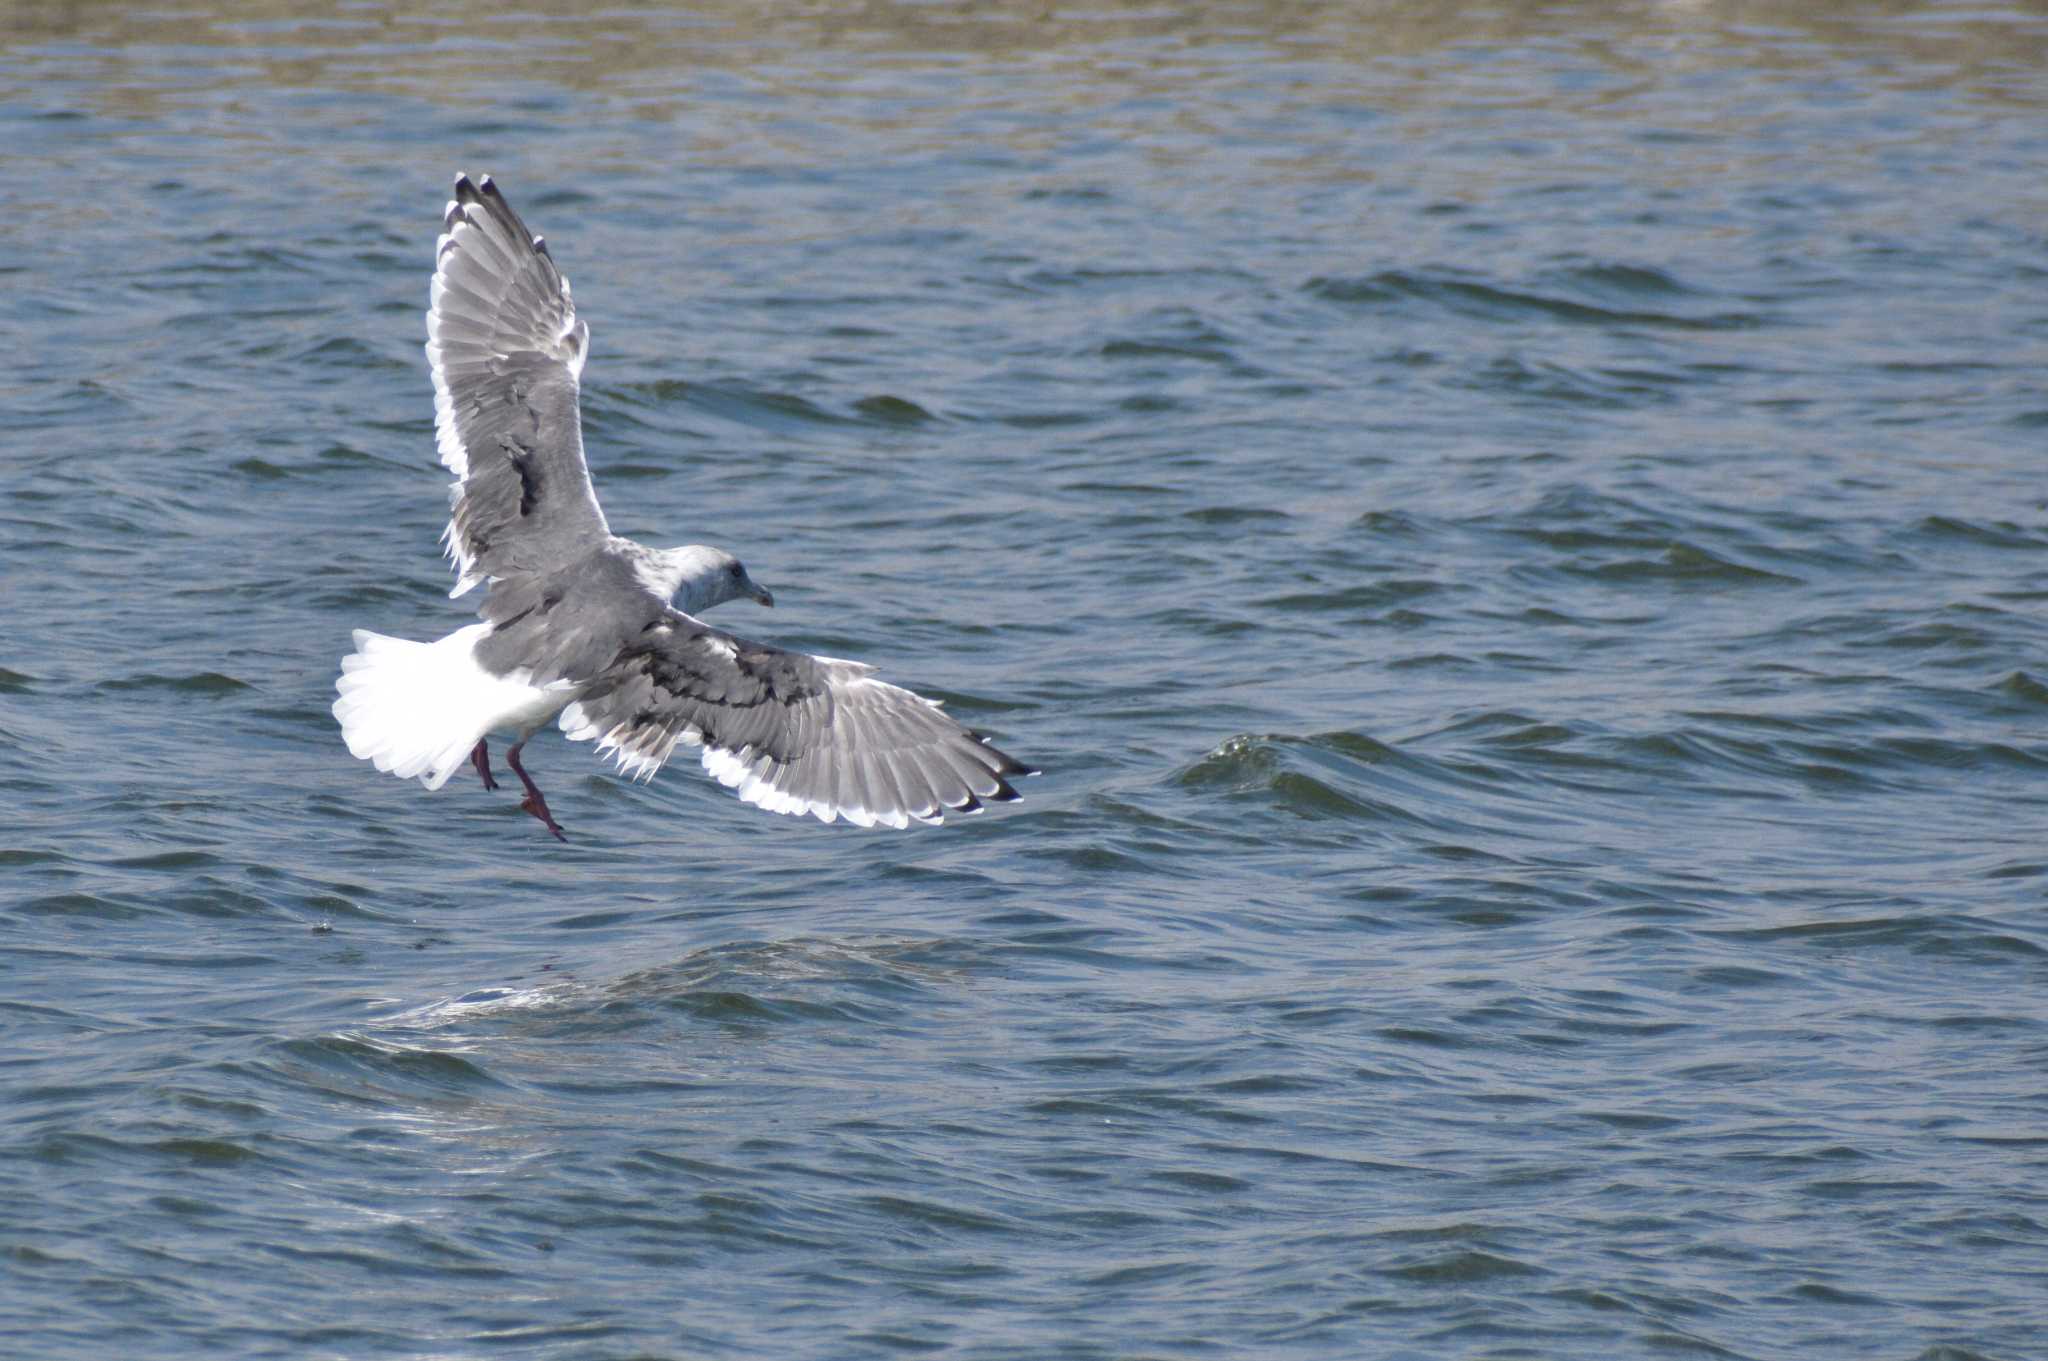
<point>1518,536</point>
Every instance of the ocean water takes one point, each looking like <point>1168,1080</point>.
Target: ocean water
<point>1517,534</point>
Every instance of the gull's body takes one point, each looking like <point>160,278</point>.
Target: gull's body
<point>584,626</point>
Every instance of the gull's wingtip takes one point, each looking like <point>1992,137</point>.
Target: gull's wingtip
<point>476,190</point>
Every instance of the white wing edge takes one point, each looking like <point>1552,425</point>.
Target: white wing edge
<point>738,770</point>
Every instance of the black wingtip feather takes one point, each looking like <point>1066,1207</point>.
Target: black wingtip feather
<point>1006,763</point>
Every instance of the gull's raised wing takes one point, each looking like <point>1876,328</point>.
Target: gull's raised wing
<point>787,731</point>
<point>506,348</point>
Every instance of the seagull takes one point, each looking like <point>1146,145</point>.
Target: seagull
<point>591,628</point>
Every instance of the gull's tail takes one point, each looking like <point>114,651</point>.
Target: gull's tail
<point>416,709</point>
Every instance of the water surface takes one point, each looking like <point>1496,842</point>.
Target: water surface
<point>1517,534</point>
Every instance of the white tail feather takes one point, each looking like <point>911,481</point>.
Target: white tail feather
<point>417,710</point>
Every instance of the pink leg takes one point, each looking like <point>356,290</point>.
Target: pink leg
<point>533,802</point>
<point>481,759</point>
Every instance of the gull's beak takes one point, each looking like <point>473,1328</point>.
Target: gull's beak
<point>760,593</point>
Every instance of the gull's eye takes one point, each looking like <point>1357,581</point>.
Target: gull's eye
<point>733,571</point>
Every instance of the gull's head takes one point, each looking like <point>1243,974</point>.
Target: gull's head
<point>704,576</point>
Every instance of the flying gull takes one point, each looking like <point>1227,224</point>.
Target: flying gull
<point>596,629</point>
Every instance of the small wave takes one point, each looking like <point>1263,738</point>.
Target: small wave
<point>198,683</point>
<point>1173,333</point>
<point>2024,688</point>
<point>1100,279</point>
<point>1232,515</point>
<point>1980,533</point>
<point>1685,563</point>
<point>1549,381</point>
<point>884,409</point>
<point>1466,1267</point>
<point>1935,934</point>
<point>1628,281</point>
<point>754,408</point>
<point>1324,776</point>
<point>1391,524</point>
<point>1495,302</point>
<point>785,982</point>
<point>372,1068</point>
<point>87,905</point>
<point>351,353</point>
<point>166,860</point>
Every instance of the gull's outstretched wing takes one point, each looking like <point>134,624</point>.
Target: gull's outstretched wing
<point>789,732</point>
<point>505,348</point>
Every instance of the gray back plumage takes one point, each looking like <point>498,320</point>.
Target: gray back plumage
<point>506,349</point>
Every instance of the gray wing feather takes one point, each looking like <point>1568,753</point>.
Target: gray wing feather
<point>787,731</point>
<point>505,349</point>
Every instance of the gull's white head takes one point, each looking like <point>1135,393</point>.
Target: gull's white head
<point>699,576</point>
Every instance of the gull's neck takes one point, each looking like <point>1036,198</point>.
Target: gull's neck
<point>682,576</point>
<point>653,570</point>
